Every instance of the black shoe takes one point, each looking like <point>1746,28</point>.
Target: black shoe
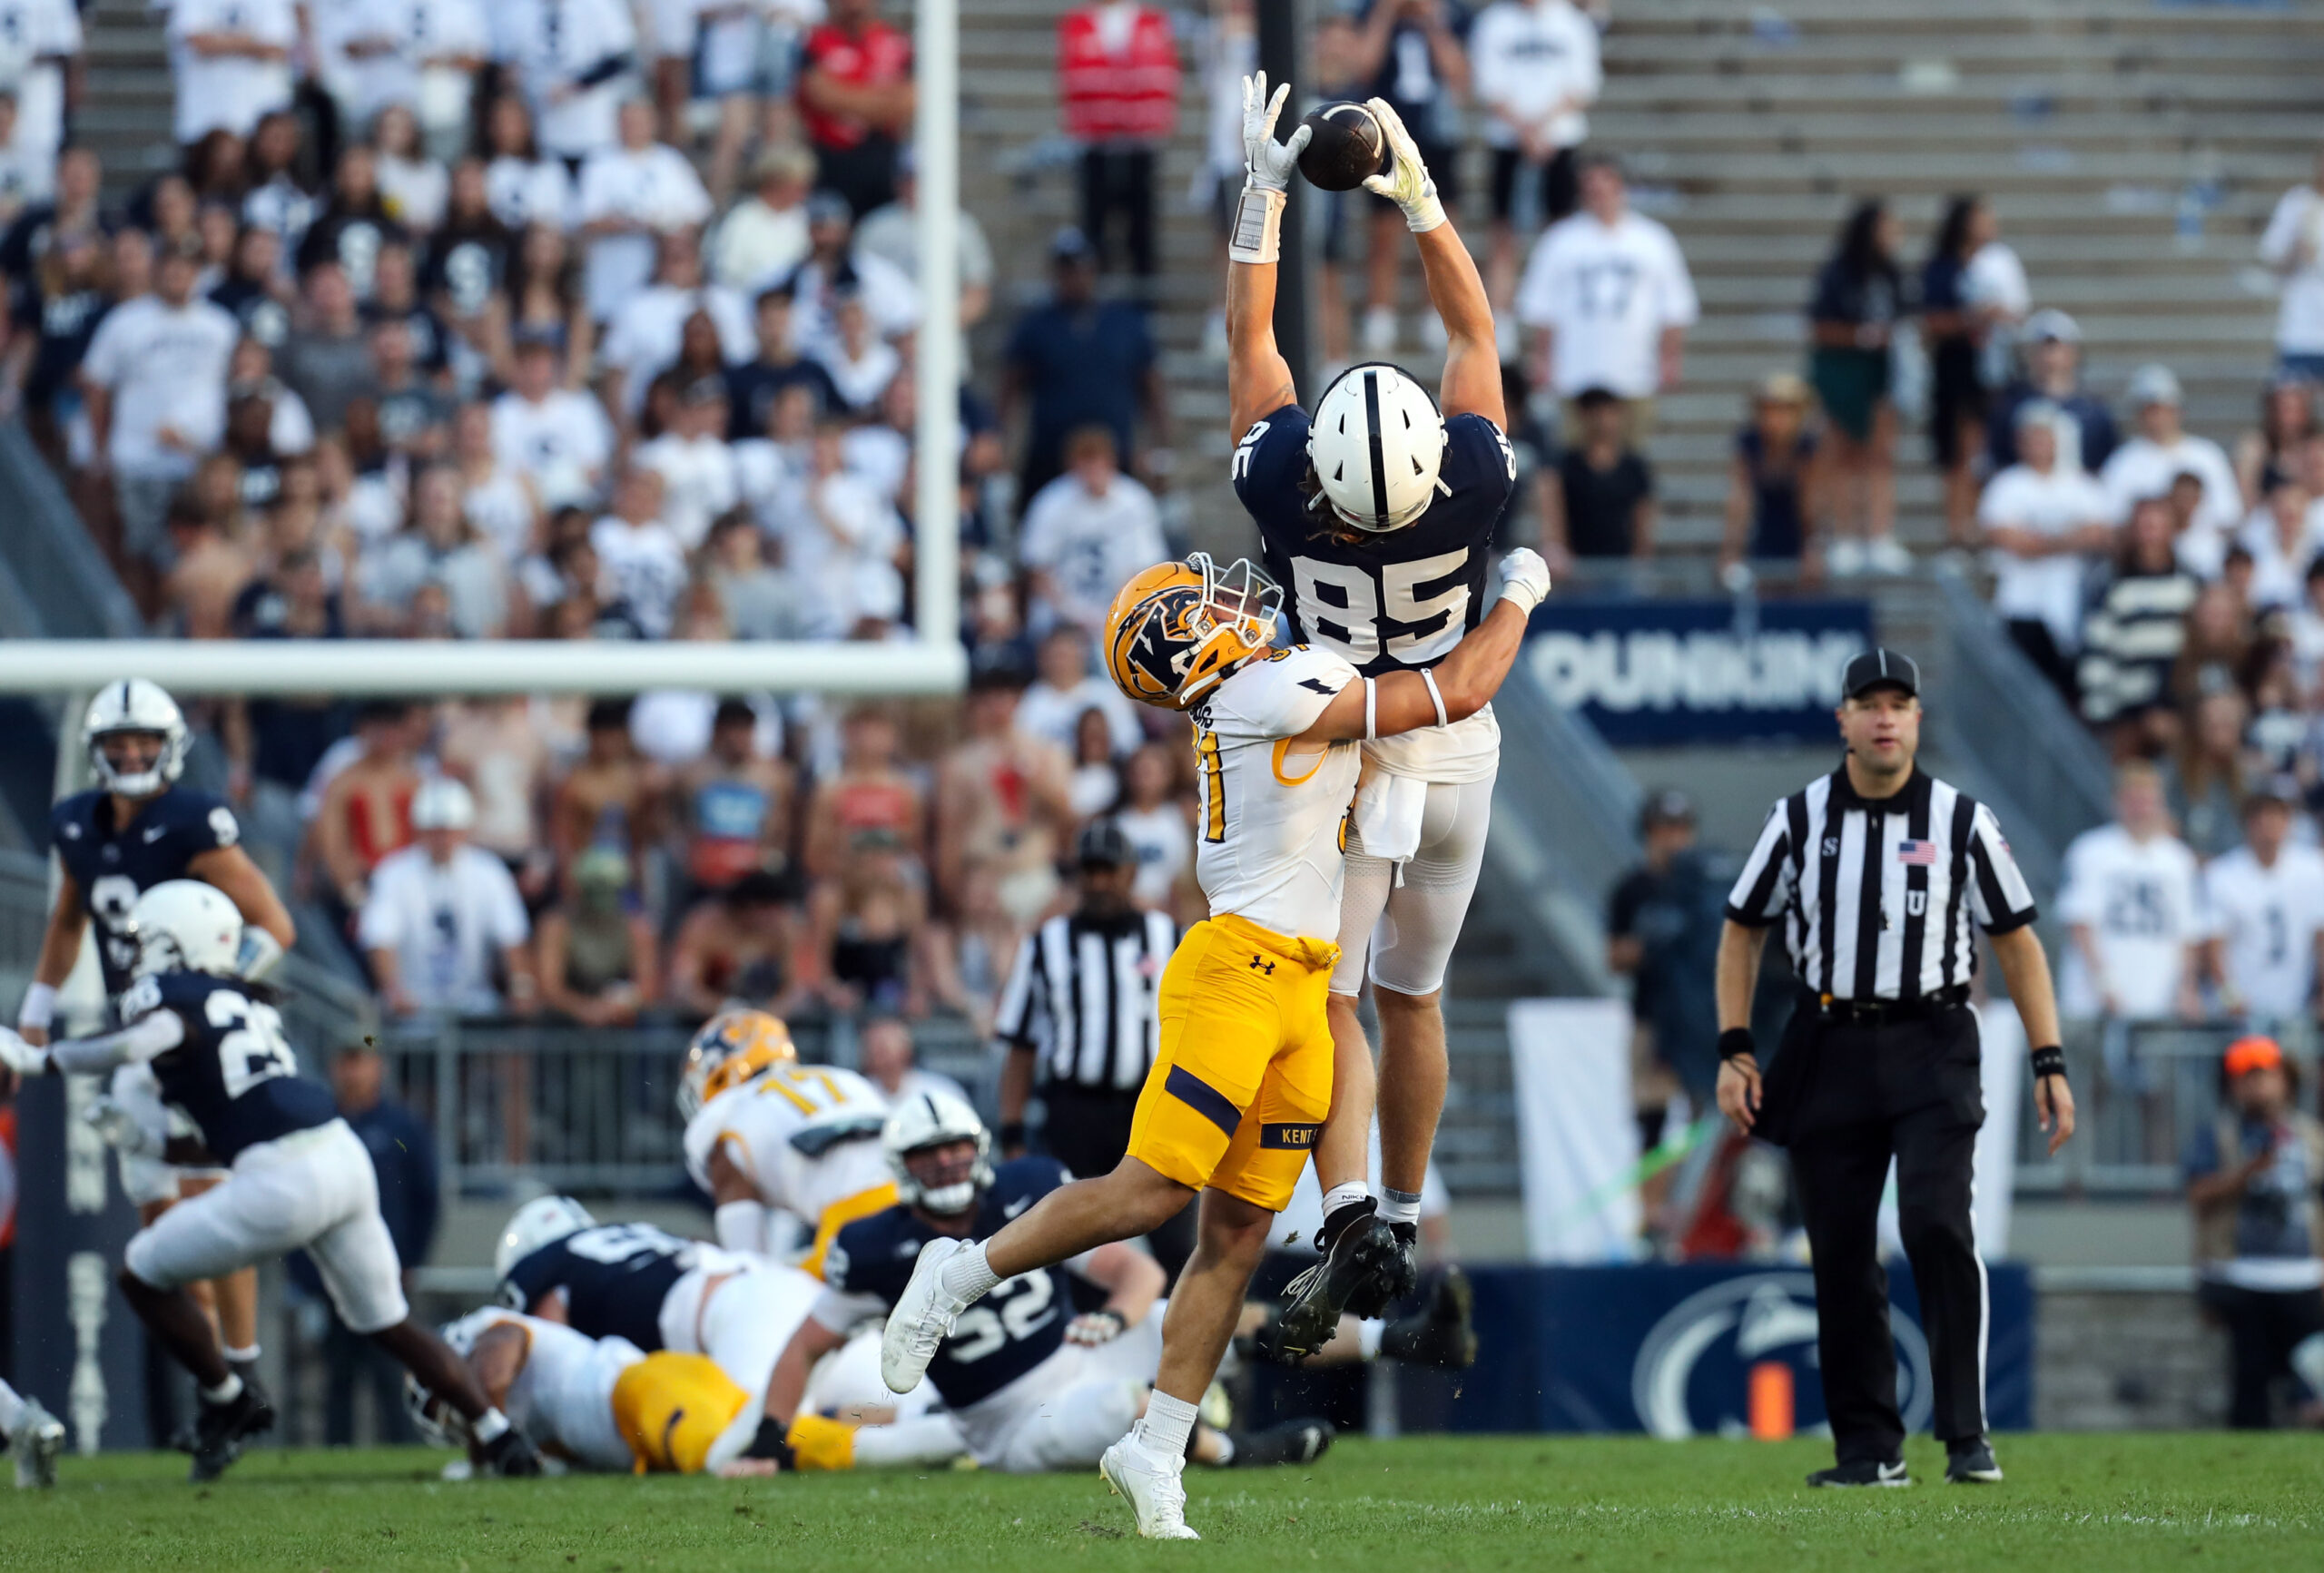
<point>221,1428</point>
<point>1440,1333</point>
<point>1395,1279</point>
<point>1863,1472</point>
<point>510,1455</point>
<point>1971,1463</point>
<point>1292,1442</point>
<point>1360,1253</point>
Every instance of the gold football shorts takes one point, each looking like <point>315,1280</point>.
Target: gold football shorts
<point>670,1408</point>
<point>1244,1079</point>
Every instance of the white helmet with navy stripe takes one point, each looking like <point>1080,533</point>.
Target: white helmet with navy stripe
<point>1377,444</point>
<point>186,926</point>
<point>935,1119</point>
<point>134,704</point>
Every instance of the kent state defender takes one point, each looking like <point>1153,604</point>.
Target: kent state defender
<point>1243,1077</point>
<point>1378,512</point>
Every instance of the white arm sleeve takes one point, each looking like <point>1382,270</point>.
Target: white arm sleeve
<point>153,1036</point>
<point>742,1226</point>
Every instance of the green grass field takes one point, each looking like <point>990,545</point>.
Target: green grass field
<point>2112,1502</point>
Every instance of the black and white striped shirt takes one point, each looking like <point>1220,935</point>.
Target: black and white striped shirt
<point>1084,996</point>
<point>1878,897</point>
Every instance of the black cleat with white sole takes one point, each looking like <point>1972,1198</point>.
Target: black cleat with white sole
<point>510,1456</point>
<point>1863,1472</point>
<point>221,1429</point>
<point>1971,1463</point>
<point>1359,1258</point>
<point>1292,1442</point>
<point>1442,1334</point>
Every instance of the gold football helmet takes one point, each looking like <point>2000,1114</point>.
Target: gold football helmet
<point>1176,629</point>
<point>732,1047</point>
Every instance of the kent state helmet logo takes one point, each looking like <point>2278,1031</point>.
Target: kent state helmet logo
<point>1693,1372</point>
<point>1158,649</point>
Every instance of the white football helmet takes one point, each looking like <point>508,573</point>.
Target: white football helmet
<point>929,1119</point>
<point>538,1223</point>
<point>134,705</point>
<point>186,926</point>
<point>1377,444</point>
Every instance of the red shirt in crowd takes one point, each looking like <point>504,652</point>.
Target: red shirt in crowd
<point>879,57</point>
<point>1118,86</point>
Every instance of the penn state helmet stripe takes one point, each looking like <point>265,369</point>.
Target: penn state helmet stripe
<point>1379,460</point>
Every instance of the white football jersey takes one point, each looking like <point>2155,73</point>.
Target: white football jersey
<point>2140,900</point>
<point>808,1135</point>
<point>1271,831</point>
<point>564,1396</point>
<point>2266,920</point>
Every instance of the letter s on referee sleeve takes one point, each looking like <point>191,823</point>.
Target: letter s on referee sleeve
<point>2002,900</point>
<point>1764,887</point>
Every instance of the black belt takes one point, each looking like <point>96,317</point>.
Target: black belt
<point>1885,1012</point>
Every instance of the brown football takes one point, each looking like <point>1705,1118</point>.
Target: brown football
<point>1346,148</point>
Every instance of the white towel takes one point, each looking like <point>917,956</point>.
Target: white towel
<point>1388,813</point>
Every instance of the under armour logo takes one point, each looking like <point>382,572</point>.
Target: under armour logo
<point>1260,964</point>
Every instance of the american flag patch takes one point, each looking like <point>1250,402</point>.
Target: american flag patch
<point>1917,854</point>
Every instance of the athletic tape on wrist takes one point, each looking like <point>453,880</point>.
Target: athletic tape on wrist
<point>1428,676</point>
<point>1371,699</point>
<point>39,1008</point>
<point>1258,226</point>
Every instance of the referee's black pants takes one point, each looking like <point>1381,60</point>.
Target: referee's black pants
<point>1860,1096</point>
<point>1087,1131</point>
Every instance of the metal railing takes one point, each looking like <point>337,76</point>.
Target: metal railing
<point>78,594</point>
<point>2141,1092</point>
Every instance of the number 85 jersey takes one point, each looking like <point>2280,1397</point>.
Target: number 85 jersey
<point>1397,602</point>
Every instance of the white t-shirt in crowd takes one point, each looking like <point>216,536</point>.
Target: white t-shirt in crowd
<point>2298,219</point>
<point>1527,56</point>
<point>231,91</point>
<point>2141,901</point>
<point>552,44</point>
<point>445,924</point>
<point>754,243</point>
<point>1164,845</point>
<point>882,455</point>
<point>2267,921</point>
<point>1996,277</point>
<point>364,85</point>
<point>890,298</point>
<point>522,194</point>
<point>166,367</point>
<point>654,186</point>
<point>860,381</point>
<point>2280,578</point>
<point>698,482</point>
<point>561,444</point>
<point>2141,468</point>
<point>644,565</point>
<point>1054,712</point>
<point>1090,544</point>
<point>839,538</point>
<point>36,37</point>
<point>647,327</point>
<point>1606,293</point>
<point>2045,589</point>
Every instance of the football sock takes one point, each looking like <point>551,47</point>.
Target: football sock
<point>489,1426</point>
<point>240,1357</point>
<point>1367,1336</point>
<point>11,1409</point>
<point>1226,1450</point>
<point>226,1391</point>
<point>1168,1422</point>
<point>1399,1206</point>
<point>967,1276</point>
<point>1354,1194</point>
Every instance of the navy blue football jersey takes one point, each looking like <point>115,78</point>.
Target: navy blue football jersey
<point>1391,603</point>
<point>113,867</point>
<point>234,1075</point>
<point>1020,1323</point>
<point>615,1277</point>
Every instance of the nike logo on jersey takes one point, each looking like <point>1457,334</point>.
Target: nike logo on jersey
<point>155,832</point>
<point>1017,1206</point>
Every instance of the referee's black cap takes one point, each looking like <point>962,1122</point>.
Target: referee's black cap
<point>1102,845</point>
<point>1880,668</point>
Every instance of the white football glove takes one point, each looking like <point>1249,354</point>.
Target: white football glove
<point>19,1057</point>
<point>1095,1327</point>
<point>1407,182</point>
<point>1267,164</point>
<point>121,1128</point>
<point>1524,579</point>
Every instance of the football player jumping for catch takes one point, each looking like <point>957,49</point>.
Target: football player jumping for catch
<point>1376,513</point>
<point>1243,1077</point>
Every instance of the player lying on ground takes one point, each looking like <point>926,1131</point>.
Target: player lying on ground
<point>658,1291</point>
<point>604,1405</point>
<point>766,1135</point>
<point>1378,514</point>
<point>1243,1079</point>
<point>299,1179</point>
<point>136,829</point>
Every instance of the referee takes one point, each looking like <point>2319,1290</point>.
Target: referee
<point>1877,871</point>
<point>1081,1019</point>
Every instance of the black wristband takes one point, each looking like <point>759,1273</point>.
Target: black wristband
<point>1011,1132</point>
<point>1736,1042</point>
<point>1121,1322</point>
<point>771,1443</point>
<point>2049,1060</point>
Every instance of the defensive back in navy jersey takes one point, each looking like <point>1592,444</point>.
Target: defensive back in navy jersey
<point>615,1277</point>
<point>1393,602</point>
<point>234,1075</point>
<point>1020,1323</point>
<point>115,865</point>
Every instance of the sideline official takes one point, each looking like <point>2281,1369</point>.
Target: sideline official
<point>1877,872</point>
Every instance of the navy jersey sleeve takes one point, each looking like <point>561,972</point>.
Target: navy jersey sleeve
<point>1269,467</point>
<point>199,821</point>
<point>72,830</point>
<point>1479,465</point>
<point>1019,1182</point>
<point>535,1278</point>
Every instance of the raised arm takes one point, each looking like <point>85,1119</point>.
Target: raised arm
<point>1472,383</point>
<point>1459,686</point>
<point>1258,378</point>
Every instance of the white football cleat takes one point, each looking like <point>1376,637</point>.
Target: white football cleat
<point>36,1439</point>
<point>923,1319</point>
<point>1155,1491</point>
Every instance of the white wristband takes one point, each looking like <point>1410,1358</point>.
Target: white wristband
<point>39,1008</point>
<point>1371,702</point>
<point>1424,215</point>
<point>1258,226</point>
<point>1428,676</point>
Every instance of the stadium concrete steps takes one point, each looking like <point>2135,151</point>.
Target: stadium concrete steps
<point>125,109</point>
